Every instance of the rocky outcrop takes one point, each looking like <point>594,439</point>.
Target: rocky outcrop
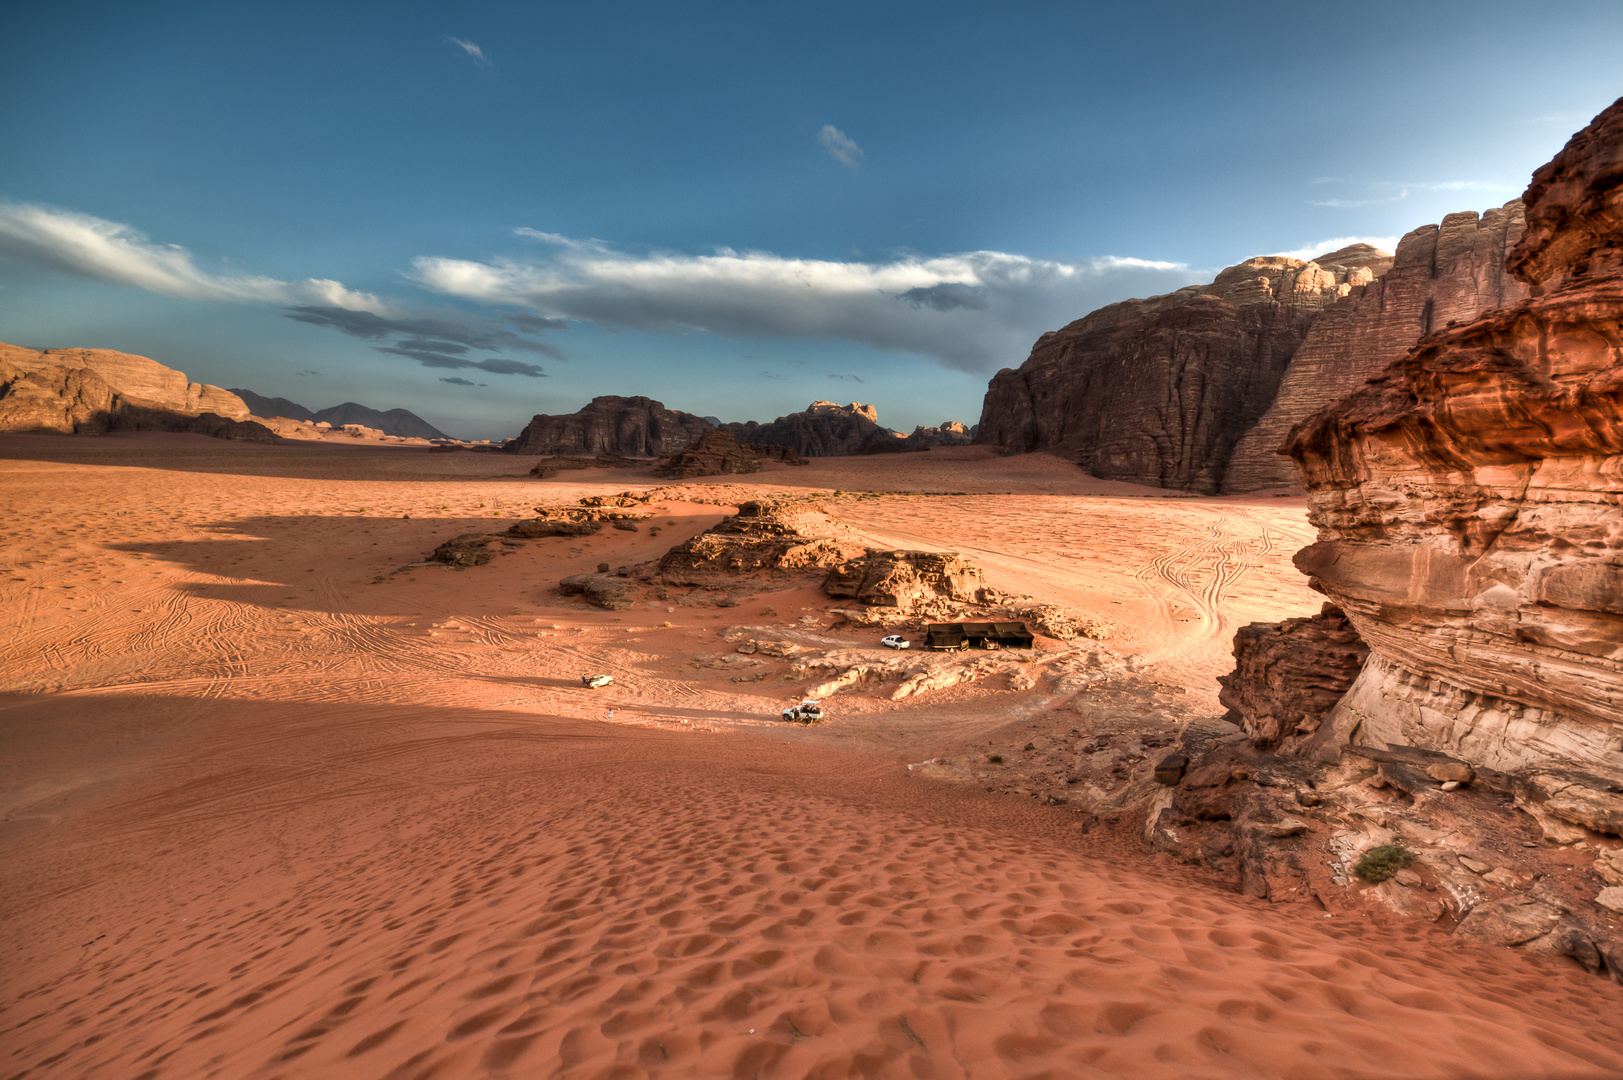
<point>825,429</point>
<point>950,433</point>
<point>762,538</point>
<point>907,580</point>
<point>1289,675</point>
<point>94,391</point>
<point>715,453</point>
<point>1441,274</point>
<point>1160,391</point>
<point>1469,504</point>
<point>633,426</point>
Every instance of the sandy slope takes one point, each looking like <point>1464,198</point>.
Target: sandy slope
<point>263,817</point>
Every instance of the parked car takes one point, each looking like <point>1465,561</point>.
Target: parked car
<point>594,682</point>
<point>896,641</point>
<point>807,712</point>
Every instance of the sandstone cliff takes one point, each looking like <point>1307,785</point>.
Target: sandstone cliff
<point>1160,391</point>
<point>824,429</point>
<point>632,426</point>
<point>92,391</point>
<point>1469,503</point>
<point>1441,274</point>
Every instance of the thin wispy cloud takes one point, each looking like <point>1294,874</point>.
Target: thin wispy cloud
<point>471,49</point>
<point>840,146</point>
<point>432,341</point>
<point>91,247</point>
<point>455,380</point>
<point>974,311</point>
<point>1382,192</point>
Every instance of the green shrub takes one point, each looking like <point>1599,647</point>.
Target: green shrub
<point>995,759</point>
<point>1379,863</point>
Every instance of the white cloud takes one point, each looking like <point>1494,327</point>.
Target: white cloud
<point>120,255</point>
<point>974,311</point>
<point>840,146</point>
<point>471,49</point>
<point>1311,251</point>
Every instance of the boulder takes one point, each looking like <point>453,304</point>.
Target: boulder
<point>1289,675</point>
<point>611,593</point>
<point>764,537</point>
<point>469,549</point>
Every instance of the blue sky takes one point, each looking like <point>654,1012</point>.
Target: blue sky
<point>483,211</point>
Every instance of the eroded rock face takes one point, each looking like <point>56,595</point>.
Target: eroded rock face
<point>93,391</point>
<point>763,537</point>
<point>1289,675</point>
<point>1469,502</point>
<point>824,429</point>
<point>715,453</point>
<point>1160,391</point>
<point>907,579</point>
<point>633,426</point>
<point>1441,274</point>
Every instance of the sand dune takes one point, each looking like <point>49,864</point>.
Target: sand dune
<point>264,816</point>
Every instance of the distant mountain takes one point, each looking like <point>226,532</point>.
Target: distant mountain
<point>399,422</point>
<point>274,406</point>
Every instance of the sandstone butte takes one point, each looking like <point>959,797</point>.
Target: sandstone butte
<point>91,391</point>
<point>632,426</point>
<point>823,429</point>
<point>1196,389</point>
<point>1469,505</point>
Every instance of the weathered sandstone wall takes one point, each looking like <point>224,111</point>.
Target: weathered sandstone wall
<point>1160,391</point>
<point>1441,274</point>
<point>1469,502</point>
<point>824,429</point>
<point>90,391</point>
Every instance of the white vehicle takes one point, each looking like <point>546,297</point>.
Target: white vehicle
<point>595,682</point>
<point>896,641</point>
<point>807,712</point>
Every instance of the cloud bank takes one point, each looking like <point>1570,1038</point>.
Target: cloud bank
<point>974,311</point>
<point>93,247</point>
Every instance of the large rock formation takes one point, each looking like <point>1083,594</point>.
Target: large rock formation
<point>1441,275</point>
<point>1288,675</point>
<point>825,429</point>
<point>1469,503</point>
<point>93,391</point>
<point>762,538</point>
<point>908,580</point>
<point>1159,391</point>
<point>632,426</point>
<point>712,454</point>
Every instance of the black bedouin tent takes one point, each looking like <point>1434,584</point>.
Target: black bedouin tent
<point>979,635</point>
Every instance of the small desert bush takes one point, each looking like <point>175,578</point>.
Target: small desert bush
<point>1379,863</point>
<point>995,759</point>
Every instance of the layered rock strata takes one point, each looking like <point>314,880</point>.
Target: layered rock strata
<point>1440,275</point>
<point>1160,391</point>
<point>714,453</point>
<point>1289,675</point>
<point>633,426</point>
<point>1469,503</point>
<point>93,391</point>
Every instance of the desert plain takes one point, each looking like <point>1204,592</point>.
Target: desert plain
<point>275,807</point>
